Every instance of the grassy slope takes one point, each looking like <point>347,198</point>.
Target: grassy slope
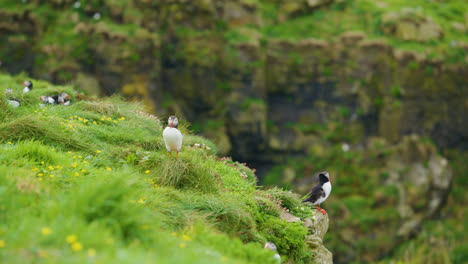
<point>365,15</point>
<point>93,182</point>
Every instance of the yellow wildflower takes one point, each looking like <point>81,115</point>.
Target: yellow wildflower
<point>9,143</point>
<point>77,174</point>
<point>40,174</point>
<point>186,238</point>
<point>84,161</point>
<point>52,150</point>
<point>91,252</point>
<point>109,118</point>
<point>94,122</point>
<point>147,171</point>
<point>69,152</point>
<point>142,201</point>
<point>74,165</point>
<point>42,163</point>
<point>46,231</point>
<point>2,243</point>
<point>71,239</point>
<point>35,169</point>
<point>80,157</point>
<point>98,151</point>
<point>83,170</point>
<point>122,118</point>
<point>51,168</point>
<point>108,169</point>
<point>79,118</point>
<point>76,246</point>
<point>74,157</point>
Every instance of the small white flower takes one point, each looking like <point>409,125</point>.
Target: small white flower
<point>77,4</point>
<point>97,16</point>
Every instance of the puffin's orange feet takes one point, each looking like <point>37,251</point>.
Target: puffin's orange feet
<point>322,211</point>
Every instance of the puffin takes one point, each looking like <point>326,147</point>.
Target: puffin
<point>63,99</point>
<point>28,85</point>
<point>172,136</point>
<point>272,246</point>
<point>48,99</point>
<point>320,192</point>
<point>12,101</point>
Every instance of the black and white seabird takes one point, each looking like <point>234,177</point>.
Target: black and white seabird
<point>272,246</point>
<point>48,99</point>
<point>320,192</point>
<point>14,102</point>
<point>172,136</point>
<point>63,99</point>
<point>28,85</point>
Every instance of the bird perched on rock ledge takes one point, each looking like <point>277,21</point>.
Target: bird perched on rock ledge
<point>172,136</point>
<point>320,192</point>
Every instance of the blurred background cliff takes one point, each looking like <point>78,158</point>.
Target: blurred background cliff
<point>376,92</point>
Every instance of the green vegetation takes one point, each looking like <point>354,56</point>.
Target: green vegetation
<point>93,182</point>
<point>329,21</point>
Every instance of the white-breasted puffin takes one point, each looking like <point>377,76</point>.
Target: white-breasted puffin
<point>12,101</point>
<point>272,246</point>
<point>48,99</point>
<point>320,192</point>
<point>64,99</point>
<point>172,136</point>
<point>28,85</point>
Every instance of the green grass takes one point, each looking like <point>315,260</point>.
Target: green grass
<point>92,182</point>
<point>365,15</point>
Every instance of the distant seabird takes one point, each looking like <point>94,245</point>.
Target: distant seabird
<point>272,246</point>
<point>48,99</point>
<point>172,136</point>
<point>27,86</point>
<point>320,192</point>
<point>63,99</point>
<point>14,102</point>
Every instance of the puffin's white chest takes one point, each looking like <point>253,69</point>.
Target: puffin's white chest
<point>327,189</point>
<point>14,103</point>
<point>26,89</point>
<point>172,139</point>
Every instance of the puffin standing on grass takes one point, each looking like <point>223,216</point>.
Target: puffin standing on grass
<point>272,247</point>
<point>172,136</point>
<point>12,101</point>
<point>64,99</point>
<point>320,192</point>
<point>27,86</point>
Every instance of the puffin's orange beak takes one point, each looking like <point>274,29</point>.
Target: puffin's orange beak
<point>170,124</point>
